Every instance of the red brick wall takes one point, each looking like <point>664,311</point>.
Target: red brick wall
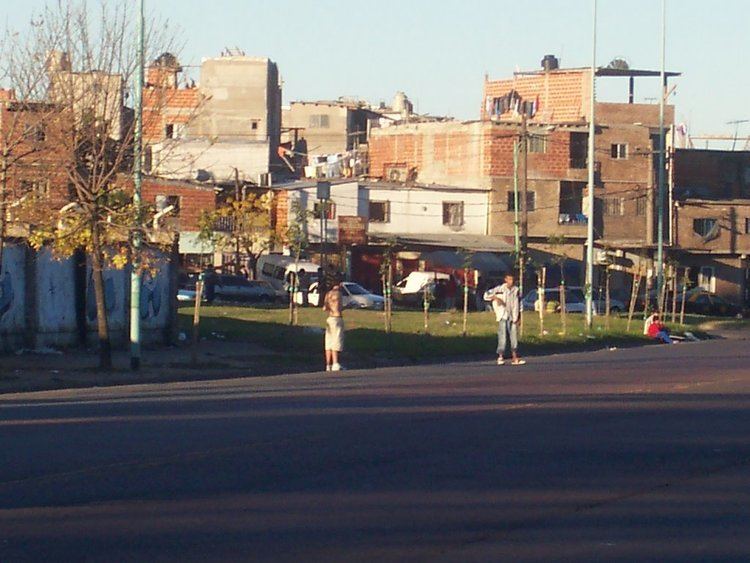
<point>167,105</point>
<point>193,200</point>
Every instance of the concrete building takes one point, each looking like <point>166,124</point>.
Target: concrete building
<point>711,220</point>
<point>329,127</point>
<point>92,94</point>
<point>419,219</point>
<point>228,127</point>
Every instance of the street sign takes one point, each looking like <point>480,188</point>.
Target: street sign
<point>324,190</point>
<point>352,230</point>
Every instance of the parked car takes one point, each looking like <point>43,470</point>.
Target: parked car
<point>277,269</point>
<point>410,290</point>
<point>575,301</point>
<point>237,288</point>
<point>705,303</point>
<point>354,296</point>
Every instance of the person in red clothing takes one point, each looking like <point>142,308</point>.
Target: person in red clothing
<point>451,287</point>
<point>658,331</point>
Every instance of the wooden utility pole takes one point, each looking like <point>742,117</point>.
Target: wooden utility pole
<point>196,320</point>
<point>466,301</point>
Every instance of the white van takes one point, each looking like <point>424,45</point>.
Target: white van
<point>410,290</point>
<point>275,269</point>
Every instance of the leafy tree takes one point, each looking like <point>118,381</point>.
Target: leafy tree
<point>91,60</point>
<point>242,224</point>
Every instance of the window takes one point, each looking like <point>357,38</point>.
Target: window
<point>536,143</point>
<point>571,197</point>
<point>254,125</point>
<point>747,226</point>
<point>319,122</point>
<point>614,206</point>
<point>620,151</point>
<point>579,150</point>
<point>530,201</point>
<point>707,279</point>
<point>453,213</point>
<point>704,227</point>
<point>380,211</point>
<point>330,210</point>
<point>38,188</point>
<point>640,205</point>
<point>169,130</point>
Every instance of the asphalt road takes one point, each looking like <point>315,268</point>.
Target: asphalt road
<point>627,455</point>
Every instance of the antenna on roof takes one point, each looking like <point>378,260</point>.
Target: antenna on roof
<point>737,123</point>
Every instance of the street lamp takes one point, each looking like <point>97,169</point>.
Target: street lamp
<point>591,168</point>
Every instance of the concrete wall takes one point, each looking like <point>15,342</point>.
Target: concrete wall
<point>49,302</point>
<point>419,210</point>
<point>320,140</point>
<point>345,198</point>
<point>242,99</point>
<point>184,159</point>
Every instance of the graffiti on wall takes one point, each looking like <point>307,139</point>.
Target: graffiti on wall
<point>6,294</point>
<point>150,296</point>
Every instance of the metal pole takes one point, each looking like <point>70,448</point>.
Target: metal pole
<point>135,275</point>
<point>591,200</point>
<point>515,201</point>
<point>662,157</point>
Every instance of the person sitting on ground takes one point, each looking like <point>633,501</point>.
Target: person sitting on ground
<point>334,339</point>
<point>658,330</point>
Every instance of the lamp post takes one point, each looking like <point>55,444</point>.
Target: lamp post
<point>662,161</point>
<point>135,274</point>
<point>591,168</point>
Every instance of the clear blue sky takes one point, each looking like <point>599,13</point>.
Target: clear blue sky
<point>438,51</point>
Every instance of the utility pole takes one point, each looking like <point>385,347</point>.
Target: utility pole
<point>591,200</point>
<point>662,158</point>
<point>515,202</point>
<point>523,146</point>
<point>135,274</point>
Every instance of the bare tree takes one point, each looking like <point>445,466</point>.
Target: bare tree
<point>89,55</point>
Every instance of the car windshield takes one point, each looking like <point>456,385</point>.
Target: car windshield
<point>355,289</point>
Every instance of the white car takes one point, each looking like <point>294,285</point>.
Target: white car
<point>575,301</point>
<point>354,297</point>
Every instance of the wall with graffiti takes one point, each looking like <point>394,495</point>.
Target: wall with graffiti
<point>56,300</point>
<point>46,301</point>
<point>13,294</point>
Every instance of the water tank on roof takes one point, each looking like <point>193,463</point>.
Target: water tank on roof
<point>550,62</point>
<point>401,104</point>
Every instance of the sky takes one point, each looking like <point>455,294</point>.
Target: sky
<point>438,51</point>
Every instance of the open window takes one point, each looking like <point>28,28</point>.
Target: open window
<point>706,227</point>
<point>380,211</point>
<point>330,212</point>
<point>453,214</point>
<point>571,203</point>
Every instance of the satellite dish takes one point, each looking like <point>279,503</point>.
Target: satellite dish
<point>619,63</point>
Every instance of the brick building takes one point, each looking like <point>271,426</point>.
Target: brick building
<point>711,220</point>
<point>33,166</point>
<point>555,105</point>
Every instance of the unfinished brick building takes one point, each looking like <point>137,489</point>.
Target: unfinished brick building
<point>711,220</point>
<point>555,105</point>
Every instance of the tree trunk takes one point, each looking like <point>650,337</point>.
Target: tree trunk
<point>607,300</point>
<point>102,324</point>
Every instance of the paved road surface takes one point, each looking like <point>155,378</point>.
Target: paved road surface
<point>628,455</point>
